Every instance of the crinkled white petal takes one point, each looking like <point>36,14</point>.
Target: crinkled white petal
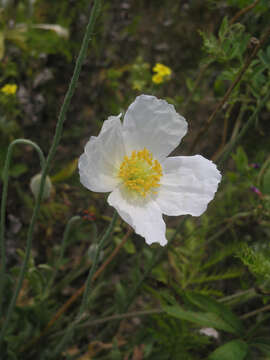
<point>99,164</point>
<point>113,121</point>
<point>153,124</point>
<point>143,216</point>
<point>189,183</point>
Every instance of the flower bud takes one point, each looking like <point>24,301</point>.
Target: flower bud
<point>35,186</point>
<point>92,250</point>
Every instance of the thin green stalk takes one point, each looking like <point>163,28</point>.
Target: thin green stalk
<point>250,293</point>
<point>247,125</point>
<point>62,250</point>
<point>113,318</point>
<point>69,332</point>
<point>255,312</point>
<point>4,202</point>
<point>52,151</point>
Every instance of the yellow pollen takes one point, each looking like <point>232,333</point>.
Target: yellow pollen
<point>140,173</point>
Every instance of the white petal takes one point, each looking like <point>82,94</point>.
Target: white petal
<point>189,183</point>
<point>143,216</point>
<point>111,122</point>
<point>154,124</point>
<point>99,163</point>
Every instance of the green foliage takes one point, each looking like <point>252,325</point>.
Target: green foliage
<point>241,160</point>
<point>257,260</point>
<point>200,318</point>
<point>140,75</point>
<point>47,41</point>
<point>239,3</point>
<point>214,314</point>
<point>65,172</point>
<point>173,339</point>
<point>194,265</point>
<point>233,350</point>
<point>27,37</point>
<point>266,182</point>
<point>230,44</point>
<point>208,304</point>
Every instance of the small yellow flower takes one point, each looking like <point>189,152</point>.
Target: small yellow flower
<point>162,73</point>
<point>157,79</point>
<point>9,89</point>
<point>162,69</point>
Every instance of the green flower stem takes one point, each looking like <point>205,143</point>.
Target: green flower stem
<point>69,332</point>
<point>110,318</point>
<point>246,294</point>
<point>62,250</point>
<point>52,151</point>
<point>4,202</point>
<point>247,125</point>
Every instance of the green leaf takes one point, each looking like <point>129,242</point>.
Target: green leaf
<point>233,350</point>
<point>120,296</point>
<point>17,170</point>
<point>219,87</point>
<point>266,182</point>
<point>235,51</point>
<point>130,247</point>
<point>207,319</point>
<point>208,304</point>
<point>160,274</point>
<point>262,344</point>
<point>190,84</point>
<point>66,172</point>
<point>241,159</point>
<point>17,37</point>
<point>264,57</point>
<point>223,28</point>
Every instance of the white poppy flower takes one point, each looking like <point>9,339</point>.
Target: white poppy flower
<point>130,161</point>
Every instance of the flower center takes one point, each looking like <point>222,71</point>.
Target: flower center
<point>140,173</point>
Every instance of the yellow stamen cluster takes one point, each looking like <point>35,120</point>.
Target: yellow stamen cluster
<point>140,173</point>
